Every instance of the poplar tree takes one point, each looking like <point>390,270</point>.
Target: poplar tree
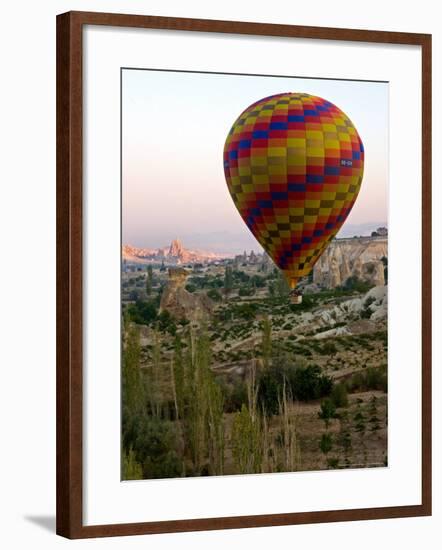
<point>266,342</point>
<point>149,280</point>
<point>131,469</point>
<point>228,280</point>
<point>200,404</point>
<point>289,436</point>
<point>246,442</point>
<point>132,385</point>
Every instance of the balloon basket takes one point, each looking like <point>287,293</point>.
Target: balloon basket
<point>295,298</point>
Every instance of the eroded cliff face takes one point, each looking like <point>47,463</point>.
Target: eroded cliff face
<point>182,304</point>
<point>351,258</point>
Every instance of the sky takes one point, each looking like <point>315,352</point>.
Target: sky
<point>174,125</point>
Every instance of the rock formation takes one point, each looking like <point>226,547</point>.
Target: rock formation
<point>182,304</point>
<point>359,315</point>
<point>174,254</point>
<point>176,249</point>
<point>346,258</point>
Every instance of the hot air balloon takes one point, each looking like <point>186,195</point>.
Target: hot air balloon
<point>293,163</point>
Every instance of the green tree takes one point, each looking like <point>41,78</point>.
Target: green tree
<point>308,383</point>
<point>214,295</point>
<point>266,342</point>
<point>228,280</point>
<point>339,395</point>
<point>345,437</point>
<point>153,389</point>
<point>178,377</point>
<point>148,287</point>
<point>258,281</point>
<point>327,412</point>
<point>353,283</point>
<point>133,394</point>
<point>133,400</point>
<point>289,435</point>
<point>359,420</point>
<point>150,441</point>
<point>149,280</point>
<point>142,313</point>
<point>326,444</point>
<point>333,463</point>
<point>246,291</point>
<point>200,404</point>
<point>215,434</point>
<point>166,323</point>
<point>270,384</point>
<point>329,348</point>
<point>246,442</point>
<point>156,448</point>
<point>131,469</point>
<point>373,412</point>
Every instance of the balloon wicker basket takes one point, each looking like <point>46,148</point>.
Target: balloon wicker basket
<point>295,298</point>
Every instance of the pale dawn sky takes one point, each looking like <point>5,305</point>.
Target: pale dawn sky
<point>174,126</point>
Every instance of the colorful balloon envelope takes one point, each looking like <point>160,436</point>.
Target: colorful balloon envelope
<point>294,164</point>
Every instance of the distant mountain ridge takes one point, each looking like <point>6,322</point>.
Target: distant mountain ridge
<point>175,254</point>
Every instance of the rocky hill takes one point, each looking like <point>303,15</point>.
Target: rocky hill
<point>174,254</point>
<point>358,257</point>
<point>180,303</point>
<point>358,315</point>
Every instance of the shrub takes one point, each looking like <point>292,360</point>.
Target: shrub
<point>134,295</point>
<point>353,283</point>
<point>374,378</point>
<point>214,295</point>
<point>339,395</point>
<point>302,383</point>
<point>241,276</point>
<point>158,449</point>
<point>308,383</point>
<point>366,310</point>
<point>258,281</point>
<point>141,312</point>
<point>326,443</point>
<point>246,311</point>
<point>166,322</point>
<point>154,445</point>
<point>246,291</point>
<point>333,463</point>
<point>328,348</point>
<point>131,469</point>
<point>270,385</point>
<point>235,395</point>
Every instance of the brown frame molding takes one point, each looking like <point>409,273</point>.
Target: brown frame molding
<point>69,273</point>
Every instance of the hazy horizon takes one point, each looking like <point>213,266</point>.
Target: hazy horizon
<point>173,130</point>
<point>219,245</point>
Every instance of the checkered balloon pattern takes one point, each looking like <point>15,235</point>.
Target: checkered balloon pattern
<point>294,164</point>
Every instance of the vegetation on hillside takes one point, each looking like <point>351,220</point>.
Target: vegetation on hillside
<point>247,391</point>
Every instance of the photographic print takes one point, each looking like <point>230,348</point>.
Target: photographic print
<point>254,274</point>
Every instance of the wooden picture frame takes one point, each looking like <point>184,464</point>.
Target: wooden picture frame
<point>70,273</point>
